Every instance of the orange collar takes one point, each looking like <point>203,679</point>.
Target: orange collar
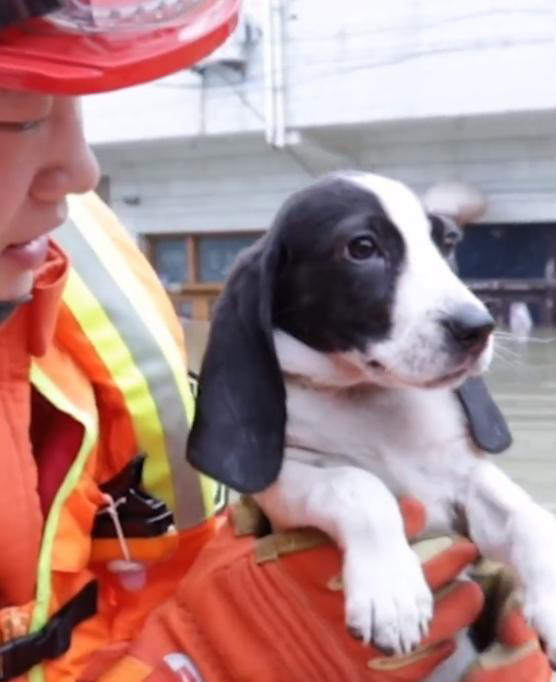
<point>29,331</point>
<point>47,292</point>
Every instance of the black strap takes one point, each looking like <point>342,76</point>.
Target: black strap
<point>140,514</point>
<point>8,308</point>
<point>21,654</point>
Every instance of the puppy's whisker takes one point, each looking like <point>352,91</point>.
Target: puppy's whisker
<point>504,350</point>
<point>509,362</point>
<point>508,336</point>
<point>536,339</point>
<point>509,353</point>
<point>505,335</point>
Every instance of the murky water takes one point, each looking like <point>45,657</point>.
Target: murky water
<point>523,380</point>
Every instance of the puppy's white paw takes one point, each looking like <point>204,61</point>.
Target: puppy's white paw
<point>388,601</point>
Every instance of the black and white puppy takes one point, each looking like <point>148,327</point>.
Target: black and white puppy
<point>342,372</point>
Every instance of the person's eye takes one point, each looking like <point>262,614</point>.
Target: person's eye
<point>20,126</point>
<point>361,248</point>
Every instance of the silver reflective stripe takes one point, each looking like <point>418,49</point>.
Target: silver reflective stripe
<point>147,355</point>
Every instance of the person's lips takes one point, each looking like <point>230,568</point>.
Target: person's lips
<point>28,255</point>
<point>31,253</point>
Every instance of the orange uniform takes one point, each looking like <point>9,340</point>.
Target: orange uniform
<point>78,404</point>
<point>270,609</point>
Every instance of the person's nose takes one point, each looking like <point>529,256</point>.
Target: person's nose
<point>71,166</point>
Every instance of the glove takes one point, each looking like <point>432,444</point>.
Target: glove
<point>271,609</point>
<point>510,648</point>
<point>457,604</point>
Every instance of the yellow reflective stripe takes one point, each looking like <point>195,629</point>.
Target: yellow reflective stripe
<point>106,251</point>
<point>87,214</point>
<point>44,587</point>
<point>113,351</point>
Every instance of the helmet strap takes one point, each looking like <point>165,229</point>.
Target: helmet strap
<point>8,308</point>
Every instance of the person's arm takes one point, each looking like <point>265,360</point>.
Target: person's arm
<point>271,609</point>
<point>387,598</point>
<point>507,525</point>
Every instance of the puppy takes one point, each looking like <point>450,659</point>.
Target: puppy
<point>342,372</point>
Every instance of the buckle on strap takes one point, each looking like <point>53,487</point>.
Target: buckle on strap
<point>21,654</point>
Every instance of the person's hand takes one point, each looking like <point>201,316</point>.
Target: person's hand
<point>511,649</point>
<point>316,575</point>
<point>270,608</point>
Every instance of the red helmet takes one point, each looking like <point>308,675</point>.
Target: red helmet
<point>83,46</point>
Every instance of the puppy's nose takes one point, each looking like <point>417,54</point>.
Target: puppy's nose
<point>469,326</point>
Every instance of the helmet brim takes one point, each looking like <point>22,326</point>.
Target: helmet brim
<point>41,57</point>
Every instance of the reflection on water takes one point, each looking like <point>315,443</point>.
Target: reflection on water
<point>523,380</point>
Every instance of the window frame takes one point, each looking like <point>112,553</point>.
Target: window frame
<point>202,295</point>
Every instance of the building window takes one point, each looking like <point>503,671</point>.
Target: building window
<point>511,263</point>
<point>193,267</point>
<point>217,254</point>
<point>169,256</point>
<point>184,308</point>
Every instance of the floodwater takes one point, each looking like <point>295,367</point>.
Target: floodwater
<point>523,381</point>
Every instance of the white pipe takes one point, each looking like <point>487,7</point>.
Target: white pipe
<point>268,71</point>
<point>279,76</point>
<point>275,104</point>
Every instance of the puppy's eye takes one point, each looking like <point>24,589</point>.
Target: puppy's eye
<point>361,248</point>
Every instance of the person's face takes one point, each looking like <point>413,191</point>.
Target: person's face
<point>43,158</point>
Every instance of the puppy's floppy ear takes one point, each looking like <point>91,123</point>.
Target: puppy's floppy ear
<point>487,426</point>
<point>238,433</point>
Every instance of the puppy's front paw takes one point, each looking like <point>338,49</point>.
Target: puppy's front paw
<point>388,601</point>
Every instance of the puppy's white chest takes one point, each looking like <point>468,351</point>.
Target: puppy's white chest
<point>414,441</point>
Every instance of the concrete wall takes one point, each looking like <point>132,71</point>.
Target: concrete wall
<point>237,183</point>
<point>355,61</point>
<point>405,59</point>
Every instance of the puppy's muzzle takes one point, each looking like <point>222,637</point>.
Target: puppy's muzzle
<point>468,328</point>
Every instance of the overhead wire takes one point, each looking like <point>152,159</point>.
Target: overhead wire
<point>343,66</point>
<point>333,66</point>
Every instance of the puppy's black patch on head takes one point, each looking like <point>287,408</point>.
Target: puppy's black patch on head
<point>343,255</point>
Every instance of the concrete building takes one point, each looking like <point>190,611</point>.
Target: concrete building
<point>426,92</point>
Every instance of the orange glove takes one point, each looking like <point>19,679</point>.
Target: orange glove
<point>514,653</point>
<point>271,609</point>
